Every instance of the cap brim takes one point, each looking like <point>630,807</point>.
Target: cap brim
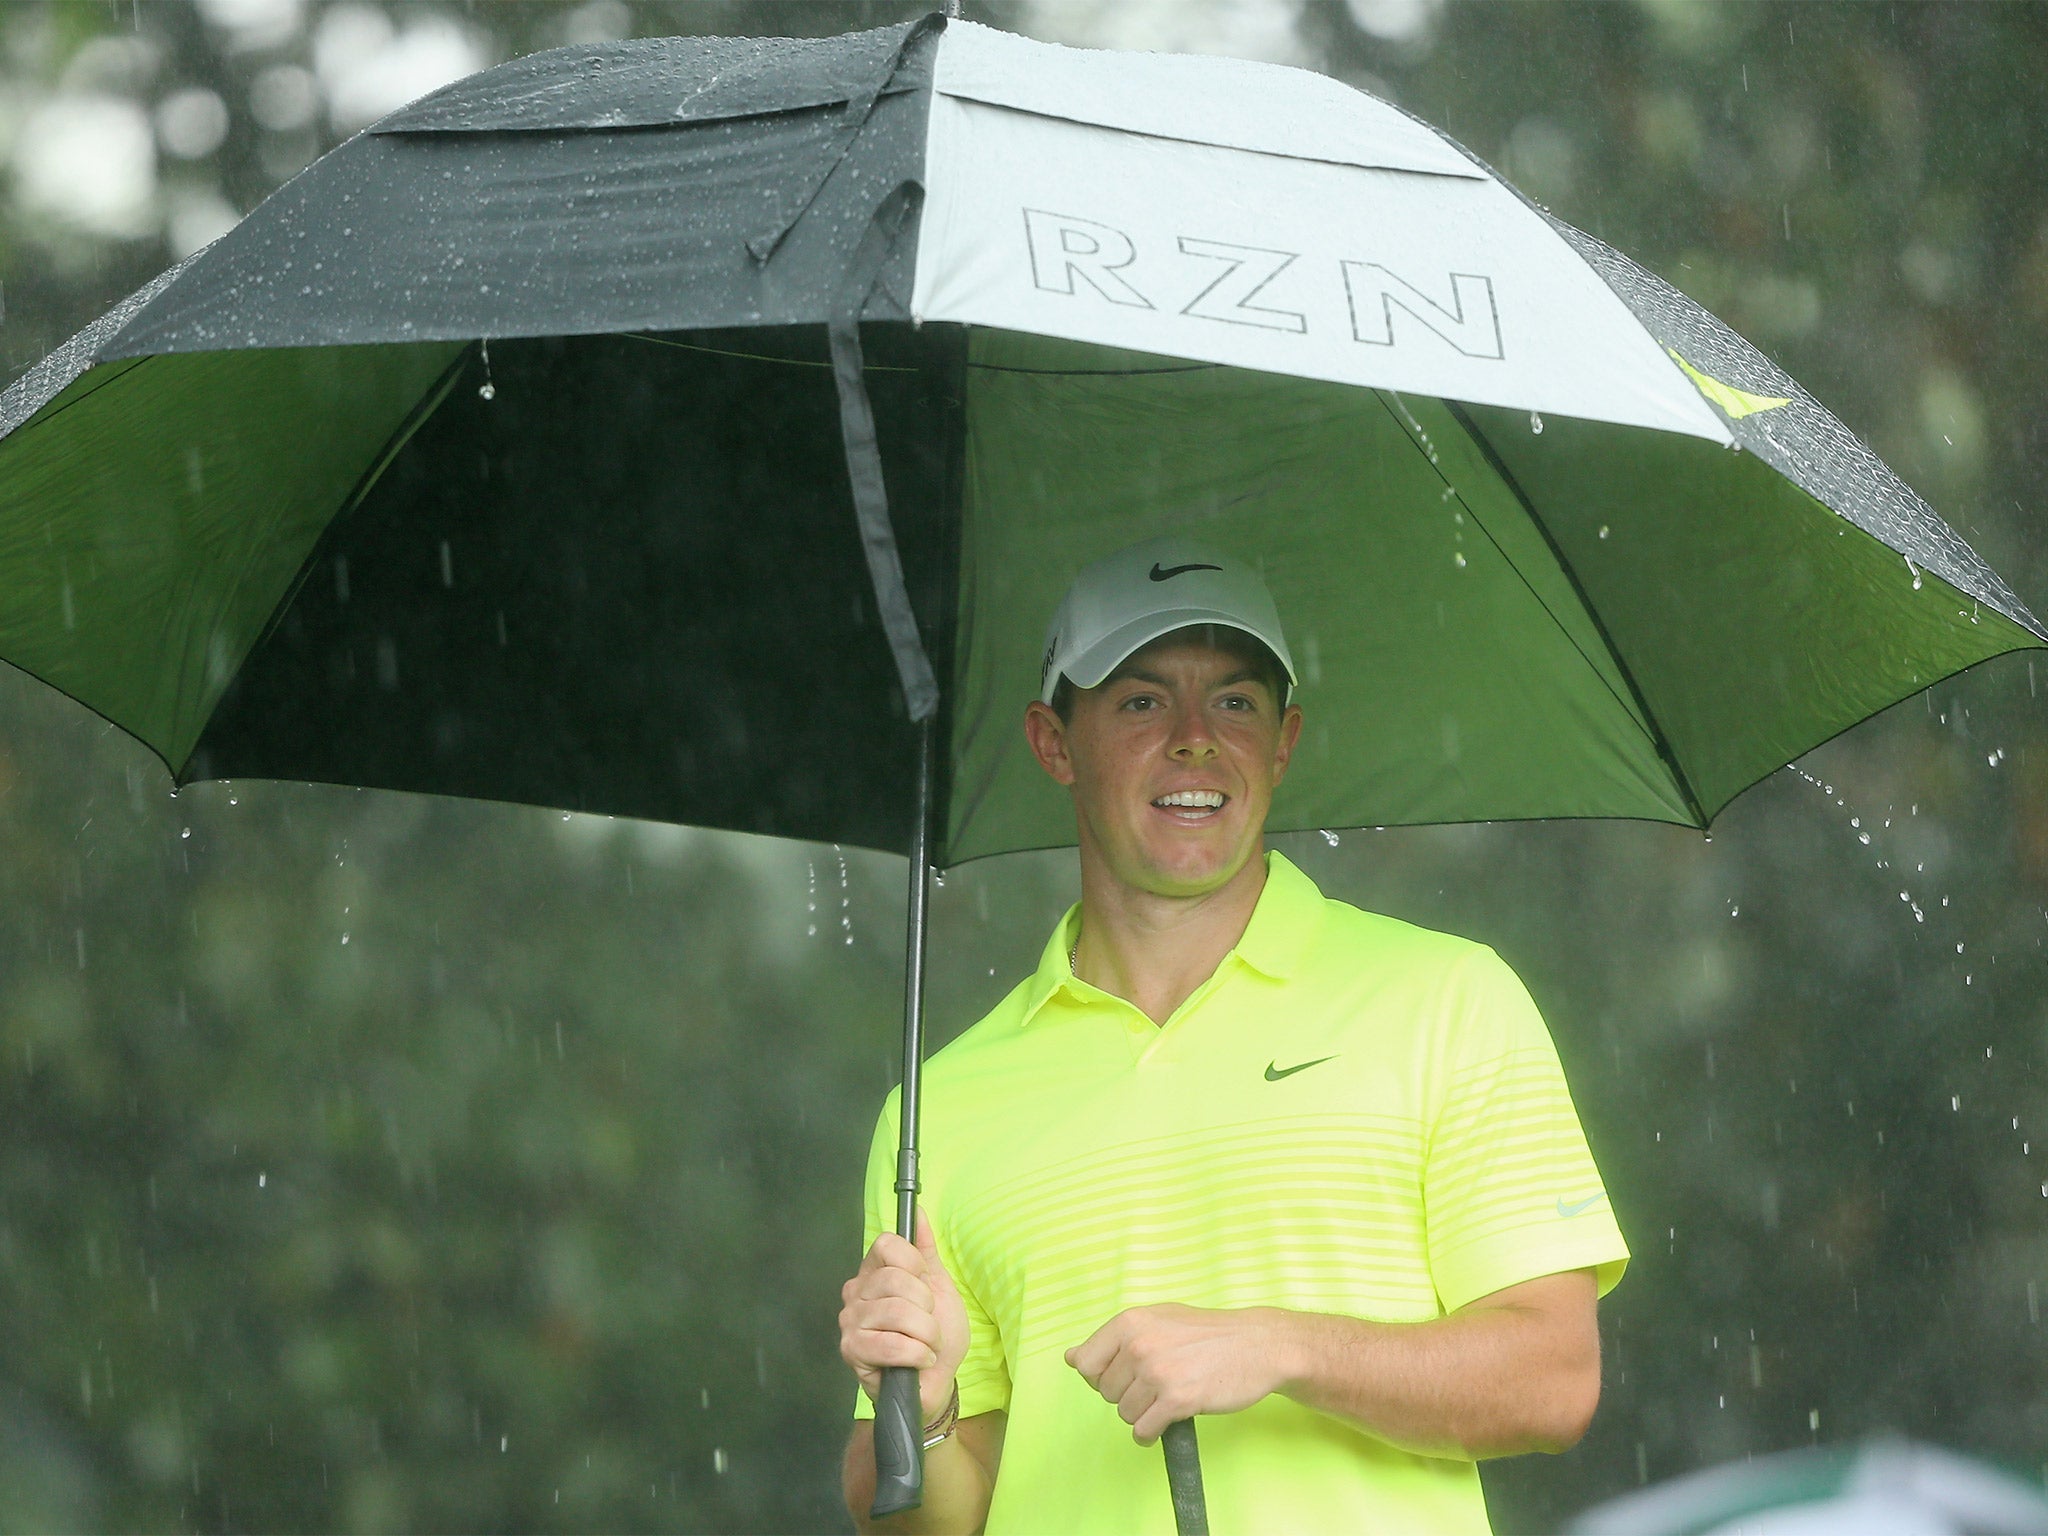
<point>1088,669</point>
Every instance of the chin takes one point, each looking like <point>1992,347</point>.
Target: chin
<point>1193,871</point>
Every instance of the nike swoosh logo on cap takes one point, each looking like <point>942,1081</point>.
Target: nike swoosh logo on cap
<point>1274,1071</point>
<point>1577,1207</point>
<point>1168,572</point>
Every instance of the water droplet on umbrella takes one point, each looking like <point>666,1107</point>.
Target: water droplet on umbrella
<point>1535,423</point>
<point>186,833</point>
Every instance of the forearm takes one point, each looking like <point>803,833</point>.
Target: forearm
<point>1490,1382</point>
<point>957,1487</point>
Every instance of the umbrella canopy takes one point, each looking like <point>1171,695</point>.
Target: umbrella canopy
<point>1883,1488</point>
<point>515,449</point>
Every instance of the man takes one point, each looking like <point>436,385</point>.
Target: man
<point>1233,1150</point>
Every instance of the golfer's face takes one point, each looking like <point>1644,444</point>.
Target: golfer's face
<point>1174,760</point>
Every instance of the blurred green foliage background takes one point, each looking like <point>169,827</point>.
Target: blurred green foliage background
<point>382,1163</point>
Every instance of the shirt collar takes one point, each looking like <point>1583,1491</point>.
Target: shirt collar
<point>1282,926</point>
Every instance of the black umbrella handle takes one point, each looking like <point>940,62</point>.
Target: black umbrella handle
<point>1184,1478</point>
<point>899,1444</point>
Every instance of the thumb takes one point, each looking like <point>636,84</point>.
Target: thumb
<point>928,1245</point>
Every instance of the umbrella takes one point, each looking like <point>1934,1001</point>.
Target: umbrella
<point>1882,1488</point>
<point>702,429</point>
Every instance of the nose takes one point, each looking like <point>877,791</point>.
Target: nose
<point>1192,740</point>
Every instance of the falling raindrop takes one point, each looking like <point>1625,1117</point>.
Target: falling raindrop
<point>1603,530</point>
<point>1536,423</point>
<point>1330,837</point>
<point>487,390</point>
<point>845,896</point>
<point>1458,559</point>
<point>719,1462</point>
<point>186,833</point>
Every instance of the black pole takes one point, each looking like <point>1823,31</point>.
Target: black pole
<point>899,1417</point>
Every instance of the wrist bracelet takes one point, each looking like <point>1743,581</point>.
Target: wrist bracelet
<point>941,1427</point>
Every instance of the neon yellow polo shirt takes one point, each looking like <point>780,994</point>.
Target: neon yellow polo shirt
<point>1352,1115</point>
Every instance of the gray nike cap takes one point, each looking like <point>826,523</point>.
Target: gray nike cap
<point>1129,599</point>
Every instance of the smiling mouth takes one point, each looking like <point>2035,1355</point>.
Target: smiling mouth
<point>1192,804</point>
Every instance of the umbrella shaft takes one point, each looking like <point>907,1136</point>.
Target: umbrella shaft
<point>913,985</point>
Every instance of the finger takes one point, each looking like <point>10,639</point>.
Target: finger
<point>928,1247</point>
<point>1136,1403</point>
<point>879,1349</point>
<point>1118,1378</point>
<point>1094,1352</point>
<point>882,1283</point>
<point>1153,1422</point>
<point>890,1251</point>
<point>892,1314</point>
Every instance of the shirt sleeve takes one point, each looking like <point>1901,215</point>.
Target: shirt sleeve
<point>984,1375</point>
<point>1509,1186</point>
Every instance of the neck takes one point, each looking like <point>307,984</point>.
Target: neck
<point>1151,950</point>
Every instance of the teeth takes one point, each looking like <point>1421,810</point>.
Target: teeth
<point>1208,799</point>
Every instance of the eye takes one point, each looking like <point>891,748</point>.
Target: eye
<point>1140,702</point>
<point>1242,702</point>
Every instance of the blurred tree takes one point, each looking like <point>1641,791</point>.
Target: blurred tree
<point>384,1163</point>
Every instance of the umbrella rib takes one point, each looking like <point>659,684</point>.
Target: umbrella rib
<point>1648,716</point>
<point>1096,373</point>
<point>1508,560</point>
<point>757,357</point>
<point>86,395</point>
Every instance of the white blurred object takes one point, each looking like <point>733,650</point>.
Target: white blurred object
<point>598,21</point>
<point>1395,21</point>
<point>284,98</point>
<point>117,65</point>
<point>253,24</point>
<point>89,161</point>
<point>1887,1488</point>
<point>1243,29</point>
<point>196,219</point>
<point>191,123</point>
<point>367,67</point>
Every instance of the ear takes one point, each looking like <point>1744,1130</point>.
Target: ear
<point>1047,734</point>
<point>1290,737</point>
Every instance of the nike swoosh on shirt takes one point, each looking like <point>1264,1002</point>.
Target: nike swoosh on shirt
<point>1274,1071</point>
<point>1167,573</point>
<point>1576,1209</point>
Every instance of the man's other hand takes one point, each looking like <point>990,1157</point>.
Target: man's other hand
<point>902,1309</point>
<point>1162,1363</point>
